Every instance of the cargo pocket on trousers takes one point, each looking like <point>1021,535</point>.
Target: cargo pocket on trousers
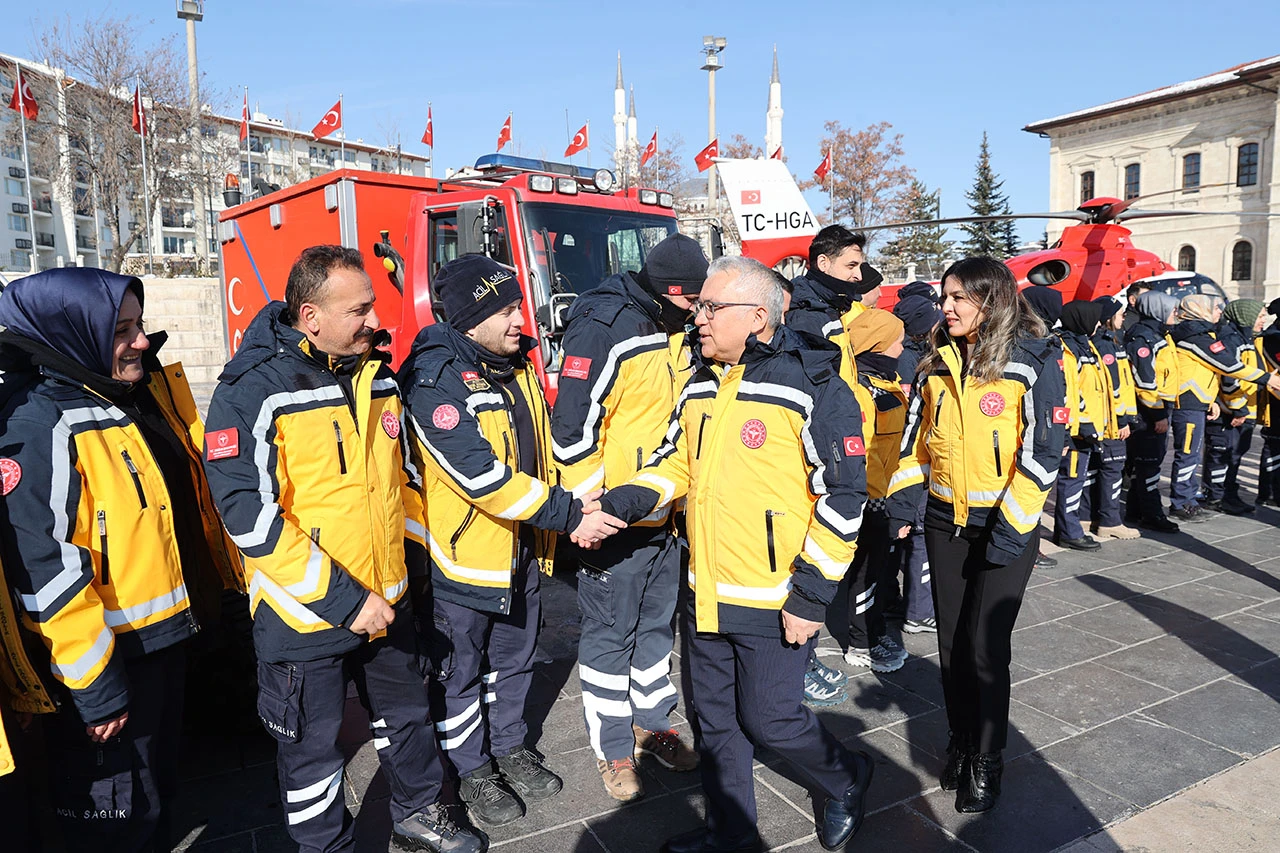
<point>595,595</point>
<point>95,785</point>
<point>280,700</point>
<point>440,647</point>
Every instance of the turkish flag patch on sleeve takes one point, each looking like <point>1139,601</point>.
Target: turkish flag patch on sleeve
<point>222,444</point>
<point>853,446</point>
<point>576,367</point>
<point>1217,346</point>
<point>1061,415</point>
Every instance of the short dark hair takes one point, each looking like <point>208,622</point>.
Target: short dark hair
<point>309,275</point>
<point>833,240</point>
<point>784,282</point>
<point>1137,289</point>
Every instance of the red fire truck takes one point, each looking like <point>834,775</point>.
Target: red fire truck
<point>562,228</point>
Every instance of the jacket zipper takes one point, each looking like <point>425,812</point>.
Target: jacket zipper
<point>706,416</point>
<point>457,534</point>
<point>506,448</point>
<point>639,458</point>
<point>768,530</point>
<point>995,445</point>
<point>835,461</point>
<point>342,456</point>
<point>137,480</point>
<point>315,535</point>
<point>102,545</point>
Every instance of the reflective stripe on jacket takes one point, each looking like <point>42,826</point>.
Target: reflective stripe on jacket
<point>1094,415</point>
<point>884,415</point>
<point>1202,359</point>
<point>1154,363</point>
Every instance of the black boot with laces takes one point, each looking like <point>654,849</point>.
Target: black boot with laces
<point>439,829</point>
<point>488,799</point>
<point>530,778</point>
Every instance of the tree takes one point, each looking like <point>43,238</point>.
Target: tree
<point>741,148</point>
<point>667,169</point>
<point>868,179</point>
<point>924,245</point>
<point>986,198</point>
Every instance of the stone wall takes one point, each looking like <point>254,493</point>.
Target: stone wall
<point>191,311</point>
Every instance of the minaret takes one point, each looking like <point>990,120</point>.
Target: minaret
<point>631,120</point>
<point>619,120</point>
<point>773,118</point>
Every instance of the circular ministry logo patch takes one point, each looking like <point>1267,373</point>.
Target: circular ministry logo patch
<point>991,404</point>
<point>754,433</point>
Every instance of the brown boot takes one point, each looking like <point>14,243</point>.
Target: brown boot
<point>621,779</point>
<point>666,748</point>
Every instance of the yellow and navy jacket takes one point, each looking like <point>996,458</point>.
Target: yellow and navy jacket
<point>1267,346</point>
<point>315,488</point>
<point>616,388</point>
<point>883,408</point>
<point>1093,416</point>
<point>1202,359</point>
<point>770,455</point>
<point>819,311</point>
<point>21,688</point>
<point>1239,399</point>
<point>1154,363</point>
<point>476,497</point>
<point>987,451</point>
<point>1119,379</point>
<point>88,532</point>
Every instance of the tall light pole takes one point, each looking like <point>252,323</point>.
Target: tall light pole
<point>192,11</point>
<point>712,46</point>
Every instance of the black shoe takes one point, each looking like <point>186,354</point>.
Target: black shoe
<point>488,800</point>
<point>1044,561</point>
<point>1235,506</point>
<point>438,830</point>
<point>959,752</point>
<point>705,841</point>
<point>528,776</point>
<point>1084,543</point>
<point>1210,506</point>
<point>841,818</point>
<point>1188,515</point>
<point>1159,524</point>
<point>1269,502</point>
<point>982,786</point>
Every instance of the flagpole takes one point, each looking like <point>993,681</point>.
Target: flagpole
<point>831,185</point>
<point>146,193</point>
<point>657,167</point>
<point>588,143</point>
<point>26,165</point>
<point>431,149</point>
<point>248,158</point>
<point>342,140</point>
<point>568,138</point>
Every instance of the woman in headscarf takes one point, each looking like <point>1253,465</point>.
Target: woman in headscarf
<point>1203,360</point>
<point>1155,379</point>
<point>110,540</point>
<point>1268,347</point>
<point>1106,474</point>
<point>1080,320</point>
<point>1229,436</point>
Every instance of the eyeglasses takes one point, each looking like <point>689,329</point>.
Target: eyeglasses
<point>711,307</point>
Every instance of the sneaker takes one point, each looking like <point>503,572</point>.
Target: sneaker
<point>530,778</point>
<point>1159,524</point>
<point>488,800</point>
<point>1119,531</point>
<point>1188,515</point>
<point>1044,561</point>
<point>921,626</point>
<point>820,694</point>
<point>666,748</point>
<point>891,646</point>
<point>878,659</point>
<point>831,675</point>
<point>439,830</point>
<point>621,779</point>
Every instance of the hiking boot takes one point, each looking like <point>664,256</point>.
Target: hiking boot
<point>891,646</point>
<point>621,779</point>
<point>488,800</point>
<point>921,626</point>
<point>666,748</point>
<point>1188,515</point>
<point>1235,506</point>
<point>877,658</point>
<point>438,830</point>
<point>528,776</point>
<point>829,674</point>
<point>1044,561</point>
<point>821,694</point>
<point>1084,542</point>
<point>1119,531</point>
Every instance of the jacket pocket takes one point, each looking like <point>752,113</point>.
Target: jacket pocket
<point>137,478</point>
<point>768,535</point>
<point>462,528</point>
<point>342,455</point>
<point>440,647</point>
<point>995,447</point>
<point>102,546</point>
<point>94,786</point>
<point>280,700</point>
<point>595,595</point>
<point>702,426</point>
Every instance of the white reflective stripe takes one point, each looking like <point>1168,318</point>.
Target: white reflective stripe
<point>941,491</point>
<point>597,394</point>
<point>391,593</point>
<point>867,594</point>
<point>413,528</point>
<point>478,484</point>
<point>301,795</point>
<point>378,724</point>
<point>483,398</point>
<point>590,484</point>
<point>489,677</point>
<point>381,742</point>
<point>980,496</point>
<point>865,606</point>
<point>847,527</point>
<point>833,326</point>
<point>593,708</point>
<point>782,392</point>
<point>263,586</point>
<point>665,487</point>
<point>832,570</point>
<point>1019,513</point>
<point>1021,371</point>
<point>606,680</point>
<point>650,674</point>
<point>138,612</point>
<point>384,385</point>
<point>1186,473</point>
<point>1042,475</point>
<point>81,667</point>
<point>536,491</point>
<point>311,577</point>
<point>651,700</point>
<point>907,473</point>
<point>753,593</point>
<point>490,698</point>
<point>458,719</point>
<point>1193,385</point>
<point>461,738</point>
<point>447,565</point>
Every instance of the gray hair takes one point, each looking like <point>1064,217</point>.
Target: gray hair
<point>756,281</point>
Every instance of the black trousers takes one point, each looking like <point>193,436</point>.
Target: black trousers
<point>1101,501</point>
<point>976,604</point>
<point>1146,456</point>
<point>1269,465</point>
<point>115,796</point>
<point>749,690</point>
<point>871,575</point>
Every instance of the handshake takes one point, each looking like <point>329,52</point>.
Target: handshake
<point>596,525</point>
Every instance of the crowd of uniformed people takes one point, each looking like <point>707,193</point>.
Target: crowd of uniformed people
<point>726,449</point>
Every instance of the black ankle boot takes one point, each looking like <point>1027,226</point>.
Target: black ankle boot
<point>978,792</point>
<point>959,751</point>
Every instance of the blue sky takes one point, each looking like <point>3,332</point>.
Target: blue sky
<point>940,72</point>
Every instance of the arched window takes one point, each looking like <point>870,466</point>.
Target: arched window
<point>1086,186</point>
<point>1247,165</point>
<point>1242,262</point>
<point>1191,175</point>
<point>1187,259</point>
<point>1132,181</point>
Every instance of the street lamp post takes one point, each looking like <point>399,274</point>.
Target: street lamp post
<point>192,11</point>
<point>712,46</point>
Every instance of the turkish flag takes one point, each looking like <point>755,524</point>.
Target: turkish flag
<point>751,196</point>
<point>429,135</point>
<point>579,143</point>
<point>139,113</point>
<point>650,150</point>
<point>332,121</point>
<point>22,100</point>
<point>777,154</point>
<point>706,157</point>
<point>244,118</point>
<point>824,168</point>
<point>504,135</point>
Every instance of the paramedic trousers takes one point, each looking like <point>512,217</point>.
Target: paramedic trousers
<point>1146,457</point>
<point>627,595</point>
<point>976,604</point>
<point>1101,502</point>
<point>872,569</point>
<point>1269,465</point>
<point>916,580</point>
<point>1187,427</point>
<point>1225,447</point>
<point>301,705</point>
<point>484,668</point>
<point>1073,471</point>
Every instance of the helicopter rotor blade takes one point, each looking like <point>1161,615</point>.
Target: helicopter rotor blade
<point>1152,214</point>
<point>959,220</point>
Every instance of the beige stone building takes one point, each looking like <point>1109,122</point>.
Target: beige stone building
<point>1206,144</point>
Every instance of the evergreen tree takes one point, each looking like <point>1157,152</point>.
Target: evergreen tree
<point>926,246</point>
<point>986,198</point>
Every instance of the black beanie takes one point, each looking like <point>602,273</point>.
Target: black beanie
<point>1045,301</point>
<point>473,288</point>
<point>1274,308</point>
<point>676,266</point>
<point>918,313</point>
<point>918,288</point>
<point>871,279</point>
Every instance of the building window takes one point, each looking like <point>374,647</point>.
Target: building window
<point>18,223</point>
<point>19,259</point>
<point>1247,165</point>
<point>1191,174</point>
<point>13,187</point>
<point>1086,186</point>
<point>1132,181</point>
<point>13,152</point>
<point>175,245</point>
<point>1242,262</point>
<point>1187,259</point>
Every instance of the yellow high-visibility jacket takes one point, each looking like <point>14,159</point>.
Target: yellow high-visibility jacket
<point>884,416</point>
<point>1154,364</point>
<point>1096,414</point>
<point>1202,359</point>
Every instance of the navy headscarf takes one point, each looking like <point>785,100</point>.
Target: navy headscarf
<point>72,311</point>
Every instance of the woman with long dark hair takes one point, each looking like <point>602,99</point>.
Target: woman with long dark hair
<point>985,430</point>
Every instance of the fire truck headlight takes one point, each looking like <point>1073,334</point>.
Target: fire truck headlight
<point>604,180</point>
<point>542,183</point>
<point>648,196</point>
<point>665,200</point>
<point>568,186</point>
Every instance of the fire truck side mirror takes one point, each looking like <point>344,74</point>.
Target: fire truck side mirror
<point>554,316</point>
<point>717,241</point>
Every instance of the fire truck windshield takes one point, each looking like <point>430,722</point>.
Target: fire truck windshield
<point>587,245</point>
